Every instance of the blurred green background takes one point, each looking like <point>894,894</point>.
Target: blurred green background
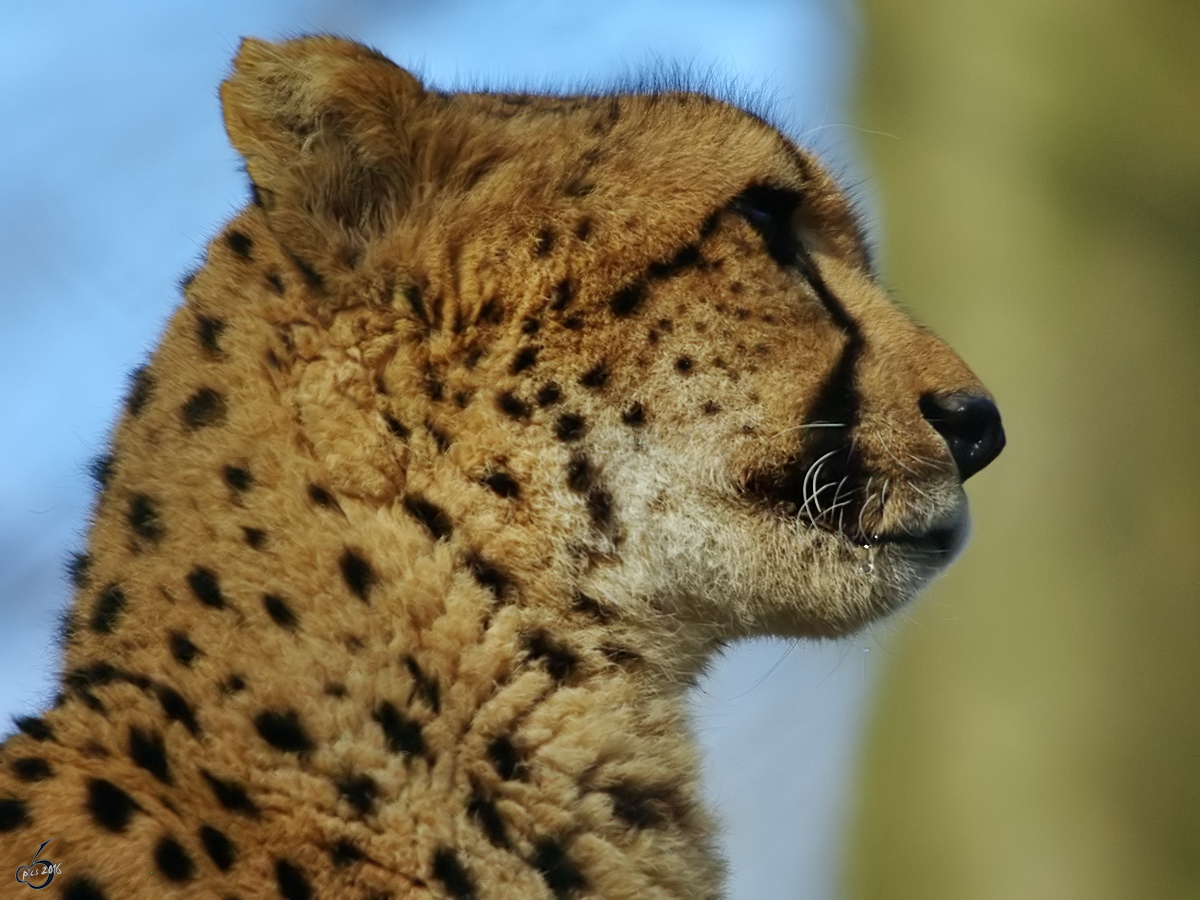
<point>1036,732</point>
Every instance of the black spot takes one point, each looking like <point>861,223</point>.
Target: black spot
<point>206,587</point>
<point>416,302</point>
<point>310,275</point>
<point>505,758</point>
<point>525,358</point>
<point>107,608</point>
<point>239,243</point>
<point>600,507</point>
<point>82,888</point>
<point>172,860</point>
<point>560,660</point>
<point>563,292</point>
<point>275,282</point>
<point>13,814</point>
<point>182,648</point>
<point>583,230</point>
<point>395,427</point>
<point>255,537</point>
<point>579,473</point>
<point>484,812</point>
<point>402,734</point>
<point>595,377</point>
<point>503,484</point>
<point>635,416</point>
<point>711,407</point>
<point>549,394</point>
<point>218,847</point>
<point>97,673</point>
<point>102,469</point>
<point>35,728</point>
<point>359,791</point>
<point>427,687</point>
<point>683,365</point>
<point>709,225</point>
<point>110,807</point>
<point>433,517</point>
<point>279,611</point>
<point>322,497</point>
<point>530,326</point>
<point>643,807</point>
<point>439,437</point>
<point>512,406</point>
<point>592,607</point>
<point>544,242</point>
<point>283,731</point>
<point>434,387</point>
<point>208,332</point>
<point>233,684</point>
<point>231,795</point>
<point>147,750</point>
<point>204,408</point>
<point>462,398</point>
<point>141,388</point>
<point>686,257</point>
<point>490,313</point>
<point>336,689</point>
<point>488,575</point>
<point>358,575</point>
<point>291,881</point>
<point>573,322</point>
<point>471,360</point>
<point>561,875</point>
<point>31,768</point>
<point>344,852</point>
<point>68,627</point>
<point>176,708</point>
<point>570,427</point>
<point>77,569</point>
<point>143,517</point>
<point>620,655</point>
<point>628,299</point>
<point>579,187</point>
<point>238,478</point>
<point>450,872</point>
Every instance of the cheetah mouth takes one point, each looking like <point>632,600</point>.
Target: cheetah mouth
<point>829,492</point>
<point>941,543</point>
<point>834,493</point>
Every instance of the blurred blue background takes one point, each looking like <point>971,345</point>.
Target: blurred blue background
<point>116,171</point>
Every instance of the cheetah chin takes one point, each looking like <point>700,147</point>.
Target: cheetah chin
<point>481,428</point>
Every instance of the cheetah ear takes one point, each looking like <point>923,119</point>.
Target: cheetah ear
<point>325,128</point>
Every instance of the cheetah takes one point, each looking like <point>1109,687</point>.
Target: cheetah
<point>484,424</point>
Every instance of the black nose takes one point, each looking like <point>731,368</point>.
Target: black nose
<point>970,425</point>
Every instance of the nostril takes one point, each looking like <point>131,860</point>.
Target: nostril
<point>971,426</point>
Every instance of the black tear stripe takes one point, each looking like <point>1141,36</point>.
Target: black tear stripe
<point>770,211</point>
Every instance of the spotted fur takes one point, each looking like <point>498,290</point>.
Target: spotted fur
<point>482,426</point>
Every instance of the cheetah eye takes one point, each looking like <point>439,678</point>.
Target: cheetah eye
<point>771,211</point>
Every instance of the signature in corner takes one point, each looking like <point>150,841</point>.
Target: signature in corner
<point>38,868</point>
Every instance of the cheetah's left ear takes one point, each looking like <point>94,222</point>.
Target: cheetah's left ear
<point>325,128</point>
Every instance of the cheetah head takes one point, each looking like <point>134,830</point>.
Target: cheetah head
<point>634,344</point>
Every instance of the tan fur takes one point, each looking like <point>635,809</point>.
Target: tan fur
<point>440,631</point>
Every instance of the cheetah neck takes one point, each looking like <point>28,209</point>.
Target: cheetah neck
<point>289,635</point>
